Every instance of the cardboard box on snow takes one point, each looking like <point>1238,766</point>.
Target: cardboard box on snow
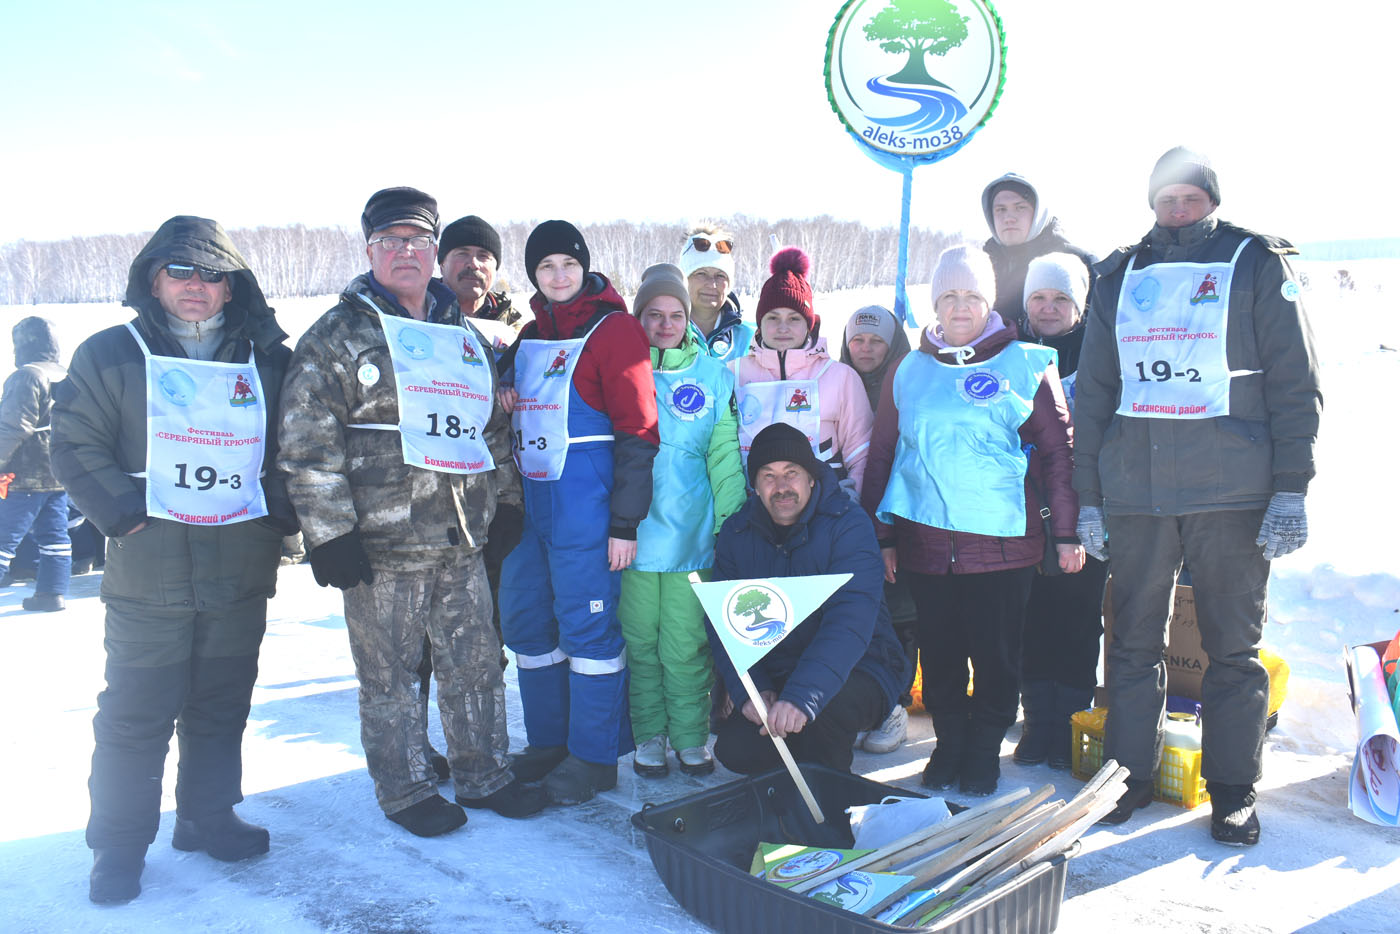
<point>1186,660</point>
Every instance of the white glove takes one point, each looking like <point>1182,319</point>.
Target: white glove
<point>1285,526</point>
<point>1091,532</point>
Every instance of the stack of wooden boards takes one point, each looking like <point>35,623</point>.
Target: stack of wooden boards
<point>947,865</point>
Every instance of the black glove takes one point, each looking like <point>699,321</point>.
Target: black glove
<point>342,562</point>
<point>503,534</point>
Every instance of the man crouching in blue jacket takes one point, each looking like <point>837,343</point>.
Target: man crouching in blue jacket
<point>840,671</point>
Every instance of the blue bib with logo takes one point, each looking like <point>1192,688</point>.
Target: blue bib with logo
<point>678,533</point>
<point>958,463</point>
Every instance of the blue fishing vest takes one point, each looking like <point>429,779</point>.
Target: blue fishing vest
<point>958,463</point>
<point>678,533</point>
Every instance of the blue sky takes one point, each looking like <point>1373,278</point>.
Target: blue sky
<point>117,116</point>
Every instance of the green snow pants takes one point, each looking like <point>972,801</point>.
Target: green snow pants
<point>668,656</point>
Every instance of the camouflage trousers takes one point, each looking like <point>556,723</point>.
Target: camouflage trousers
<point>448,600</point>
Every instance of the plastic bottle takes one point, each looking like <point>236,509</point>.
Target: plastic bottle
<point>1182,731</point>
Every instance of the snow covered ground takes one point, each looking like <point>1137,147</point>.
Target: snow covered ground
<point>337,865</point>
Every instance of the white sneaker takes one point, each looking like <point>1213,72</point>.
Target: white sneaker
<point>696,760</point>
<point>889,736</point>
<point>650,759</point>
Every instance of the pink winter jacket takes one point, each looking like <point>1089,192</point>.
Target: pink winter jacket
<point>845,408</point>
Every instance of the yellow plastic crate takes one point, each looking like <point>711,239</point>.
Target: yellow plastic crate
<point>1178,781</point>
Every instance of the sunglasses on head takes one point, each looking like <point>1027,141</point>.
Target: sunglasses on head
<point>702,245</point>
<point>184,271</point>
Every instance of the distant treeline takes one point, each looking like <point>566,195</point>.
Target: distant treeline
<point>298,261</point>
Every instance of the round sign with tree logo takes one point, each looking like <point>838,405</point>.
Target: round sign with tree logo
<point>915,78</point>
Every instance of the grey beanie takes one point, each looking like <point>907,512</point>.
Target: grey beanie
<point>872,319</point>
<point>1063,272</point>
<point>1182,166</point>
<point>661,279</point>
<point>964,267</point>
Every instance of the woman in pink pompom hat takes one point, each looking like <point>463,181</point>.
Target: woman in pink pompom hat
<point>788,376</point>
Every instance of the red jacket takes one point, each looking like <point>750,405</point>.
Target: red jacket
<point>928,550</point>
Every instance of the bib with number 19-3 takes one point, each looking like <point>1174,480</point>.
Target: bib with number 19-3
<point>206,429</point>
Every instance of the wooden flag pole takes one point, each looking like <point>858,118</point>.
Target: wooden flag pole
<point>783,750</point>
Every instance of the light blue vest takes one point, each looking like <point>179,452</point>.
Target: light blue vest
<point>678,533</point>
<point>958,464</point>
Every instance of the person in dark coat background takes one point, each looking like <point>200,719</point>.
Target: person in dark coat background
<point>840,671</point>
<point>35,499</point>
<point>1022,229</point>
<point>1064,618</point>
<point>186,585</point>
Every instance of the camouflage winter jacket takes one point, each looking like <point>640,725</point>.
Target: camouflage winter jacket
<point>341,477</point>
<point>24,408</point>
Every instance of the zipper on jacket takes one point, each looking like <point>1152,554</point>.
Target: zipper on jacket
<point>782,364</point>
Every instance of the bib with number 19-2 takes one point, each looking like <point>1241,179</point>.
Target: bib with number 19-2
<point>206,429</point>
<point>1171,325</point>
<point>444,390</point>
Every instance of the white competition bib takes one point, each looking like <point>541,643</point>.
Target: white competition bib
<point>544,371</point>
<point>796,402</point>
<point>1171,325</point>
<point>206,428</point>
<point>444,395</point>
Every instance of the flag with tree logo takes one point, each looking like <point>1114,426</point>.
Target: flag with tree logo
<point>752,616</point>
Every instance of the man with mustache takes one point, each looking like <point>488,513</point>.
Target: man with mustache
<point>469,255</point>
<point>842,669</point>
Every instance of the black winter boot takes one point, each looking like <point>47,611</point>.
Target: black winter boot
<point>439,764</point>
<point>536,762</point>
<point>981,766</point>
<point>1233,819</point>
<point>514,800</point>
<point>575,781</point>
<point>223,835</point>
<point>1137,796</point>
<point>1068,702</point>
<point>1038,728</point>
<point>116,874</point>
<point>945,762</point>
<point>431,817</point>
<point>44,603</point>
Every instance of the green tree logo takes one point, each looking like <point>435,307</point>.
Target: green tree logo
<point>918,27</point>
<point>752,603</point>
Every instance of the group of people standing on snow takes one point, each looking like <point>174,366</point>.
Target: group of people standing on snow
<point>472,476</point>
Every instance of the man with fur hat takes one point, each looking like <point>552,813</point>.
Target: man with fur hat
<point>184,481</point>
<point>33,499</point>
<point>697,483</point>
<point>469,254</point>
<point>1199,448</point>
<point>397,454</point>
<point>840,671</point>
<point>716,320</point>
<point>1022,229</point>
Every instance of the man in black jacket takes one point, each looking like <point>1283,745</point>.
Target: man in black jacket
<point>1196,415</point>
<point>1022,229</point>
<point>184,480</point>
